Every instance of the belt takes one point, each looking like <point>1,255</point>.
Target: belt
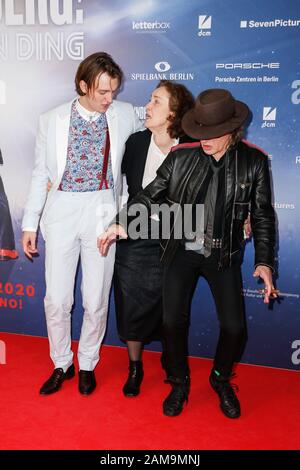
<point>216,243</point>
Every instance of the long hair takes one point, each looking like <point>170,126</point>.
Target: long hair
<point>236,136</point>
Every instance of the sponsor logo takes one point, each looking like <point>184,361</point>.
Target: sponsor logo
<point>269,117</point>
<point>239,67</point>
<point>204,22</point>
<point>151,26</point>
<point>2,92</point>
<point>162,72</point>
<point>239,79</point>
<point>248,66</point>
<point>204,25</point>
<point>269,114</point>
<point>277,23</point>
<point>296,94</point>
<point>298,160</point>
<point>162,66</point>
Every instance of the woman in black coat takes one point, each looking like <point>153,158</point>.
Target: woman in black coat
<point>138,271</point>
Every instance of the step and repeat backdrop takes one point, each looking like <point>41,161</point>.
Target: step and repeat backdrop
<point>251,48</point>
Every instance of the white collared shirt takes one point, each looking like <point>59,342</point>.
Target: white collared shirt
<point>155,157</point>
<point>84,113</point>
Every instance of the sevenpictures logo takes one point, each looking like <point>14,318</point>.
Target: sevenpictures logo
<point>269,117</point>
<point>277,23</point>
<point>204,25</point>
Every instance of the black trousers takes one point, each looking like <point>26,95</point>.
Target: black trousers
<point>179,282</point>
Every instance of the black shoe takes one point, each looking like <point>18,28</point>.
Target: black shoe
<point>229,402</point>
<point>173,404</point>
<point>87,382</point>
<point>134,380</point>
<point>54,383</point>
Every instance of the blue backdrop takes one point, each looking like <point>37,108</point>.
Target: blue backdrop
<point>251,48</point>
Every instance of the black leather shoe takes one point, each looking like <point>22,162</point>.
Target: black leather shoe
<point>54,383</point>
<point>229,402</point>
<point>134,380</point>
<point>173,404</point>
<point>87,382</point>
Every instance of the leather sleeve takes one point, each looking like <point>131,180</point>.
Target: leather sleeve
<point>262,215</point>
<point>153,193</point>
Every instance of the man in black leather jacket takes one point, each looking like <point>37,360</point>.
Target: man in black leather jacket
<point>229,177</point>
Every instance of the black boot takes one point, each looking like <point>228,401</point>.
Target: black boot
<point>173,404</point>
<point>229,402</point>
<point>134,380</point>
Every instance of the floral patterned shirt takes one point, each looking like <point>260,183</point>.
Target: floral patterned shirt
<point>85,157</point>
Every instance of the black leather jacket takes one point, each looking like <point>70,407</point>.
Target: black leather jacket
<point>247,185</point>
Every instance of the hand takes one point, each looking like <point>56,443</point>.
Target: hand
<point>266,274</point>
<point>49,185</point>
<point>109,236</point>
<point>29,244</point>
<point>247,228</point>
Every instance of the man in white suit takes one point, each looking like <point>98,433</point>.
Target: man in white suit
<point>79,148</point>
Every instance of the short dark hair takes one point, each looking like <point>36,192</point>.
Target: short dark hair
<point>93,65</point>
<point>181,100</point>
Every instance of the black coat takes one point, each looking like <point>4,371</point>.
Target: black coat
<point>247,183</point>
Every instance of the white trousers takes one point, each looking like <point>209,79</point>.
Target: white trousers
<point>72,224</point>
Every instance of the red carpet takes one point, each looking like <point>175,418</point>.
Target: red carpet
<point>107,420</point>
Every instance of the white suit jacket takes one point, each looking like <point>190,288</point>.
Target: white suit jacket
<point>51,155</point>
